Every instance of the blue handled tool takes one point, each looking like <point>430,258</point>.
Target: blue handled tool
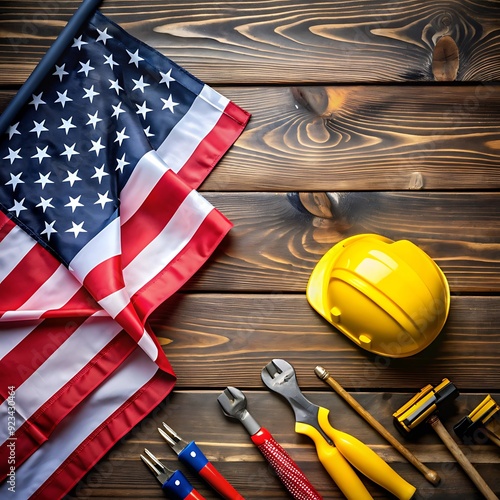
<point>191,454</point>
<point>174,483</point>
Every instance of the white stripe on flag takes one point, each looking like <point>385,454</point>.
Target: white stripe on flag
<point>148,346</point>
<point>190,131</point>
<point>52,295</point>
<point>134,373</point>
<point>148,171</point>
<point>115,302</point>
<point>174,237</point>
<point>103,246</point>
<point>55,372</point>
<point>10,337</point>
<point>13,248</point>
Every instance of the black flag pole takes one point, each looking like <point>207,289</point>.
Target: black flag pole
<point>86,9</point>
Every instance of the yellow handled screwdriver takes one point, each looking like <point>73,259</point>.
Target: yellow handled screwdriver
<point>335,449</point>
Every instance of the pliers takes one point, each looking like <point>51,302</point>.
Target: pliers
<point>174,483</point>
<point>191,454</point>
<point>335,449</point>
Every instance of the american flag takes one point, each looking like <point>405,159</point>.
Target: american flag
<point>100,223</point>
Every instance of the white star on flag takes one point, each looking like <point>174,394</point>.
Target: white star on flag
<point>169,103</point>
<point>90,94</point>
<point>79,43</point>
<point>69,151</point>
<point>103,36</point>
<point>44,179</point>
<point>13,155</point>
<point>63,98</point>
<point>99,173</point>
<point>66,124</point>
<point>97,146</point>
<point>37,100</point>
<point>12,130</point>
<point>39,128</point>
<point>93,119</point>
<point>18,207</point>
<point>86,68</point>
<point>49,229</point>
<point>60,71</point>
<point>44,204</point>
<point>74,203</point>
<point>103,199</point>
<point>14,180</point>
<point>135,58</point>
<point>72,177</point>
<point>76,229</point>
<point>41,154</point>
<point>166,78</point>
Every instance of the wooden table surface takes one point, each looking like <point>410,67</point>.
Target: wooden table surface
<point>367,117</point>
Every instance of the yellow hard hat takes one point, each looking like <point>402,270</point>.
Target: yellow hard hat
<point>388,297</point>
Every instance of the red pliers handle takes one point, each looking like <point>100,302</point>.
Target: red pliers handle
<point>285,467</point>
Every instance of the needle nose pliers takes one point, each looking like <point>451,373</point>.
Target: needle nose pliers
<point>335,449</point>
<point>174,483</point>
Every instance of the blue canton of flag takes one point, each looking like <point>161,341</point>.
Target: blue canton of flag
<point>66,161</point>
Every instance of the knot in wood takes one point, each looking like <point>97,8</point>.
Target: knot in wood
<point>323,101</point>
<point>445,60</point>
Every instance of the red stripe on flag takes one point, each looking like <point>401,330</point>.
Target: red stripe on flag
<point>213,229</point>
<point>93,448</point>
<point>150,219</point>
<point>215,144</point>
<point>81,304</point>
<point>35,431</point>
<point>6,225</point>
<point>32,272</point>
<point>22,361</point>
<point>105,278</point>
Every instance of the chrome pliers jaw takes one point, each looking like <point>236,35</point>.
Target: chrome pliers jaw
<point>174,483</point>
<point>279,376</point>
<point>172,438</point>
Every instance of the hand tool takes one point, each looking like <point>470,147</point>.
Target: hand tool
<point>424,408</point>
<point>174,483</point>
<point>429,474</point>
<point>191,454</point>
<point>334,448</point>
<point>485,419</point>
<point>234,405</point>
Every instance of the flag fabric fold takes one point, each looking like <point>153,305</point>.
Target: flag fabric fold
<point>100,223</point>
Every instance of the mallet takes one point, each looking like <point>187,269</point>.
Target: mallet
<point>484,419</point>
<point>429,474</point>
<point>423,408</point>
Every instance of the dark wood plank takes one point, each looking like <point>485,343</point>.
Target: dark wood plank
<point>366,138</point>
<point>278,238</point>
<point>208,348</point>
<point>362,138</point>
<point>264,42</point>
<point>225,442</point>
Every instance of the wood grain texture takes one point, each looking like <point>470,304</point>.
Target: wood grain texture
<point>366,138</point>
<point>278,238</point>
<point>208,349</point>
<point>367,116</point>
<point>278,41</point>
<point>225,442</point>
<point>362,138</point>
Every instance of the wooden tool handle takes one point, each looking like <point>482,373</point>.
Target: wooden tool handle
<point>429,474</point>
<point>450,443</point>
